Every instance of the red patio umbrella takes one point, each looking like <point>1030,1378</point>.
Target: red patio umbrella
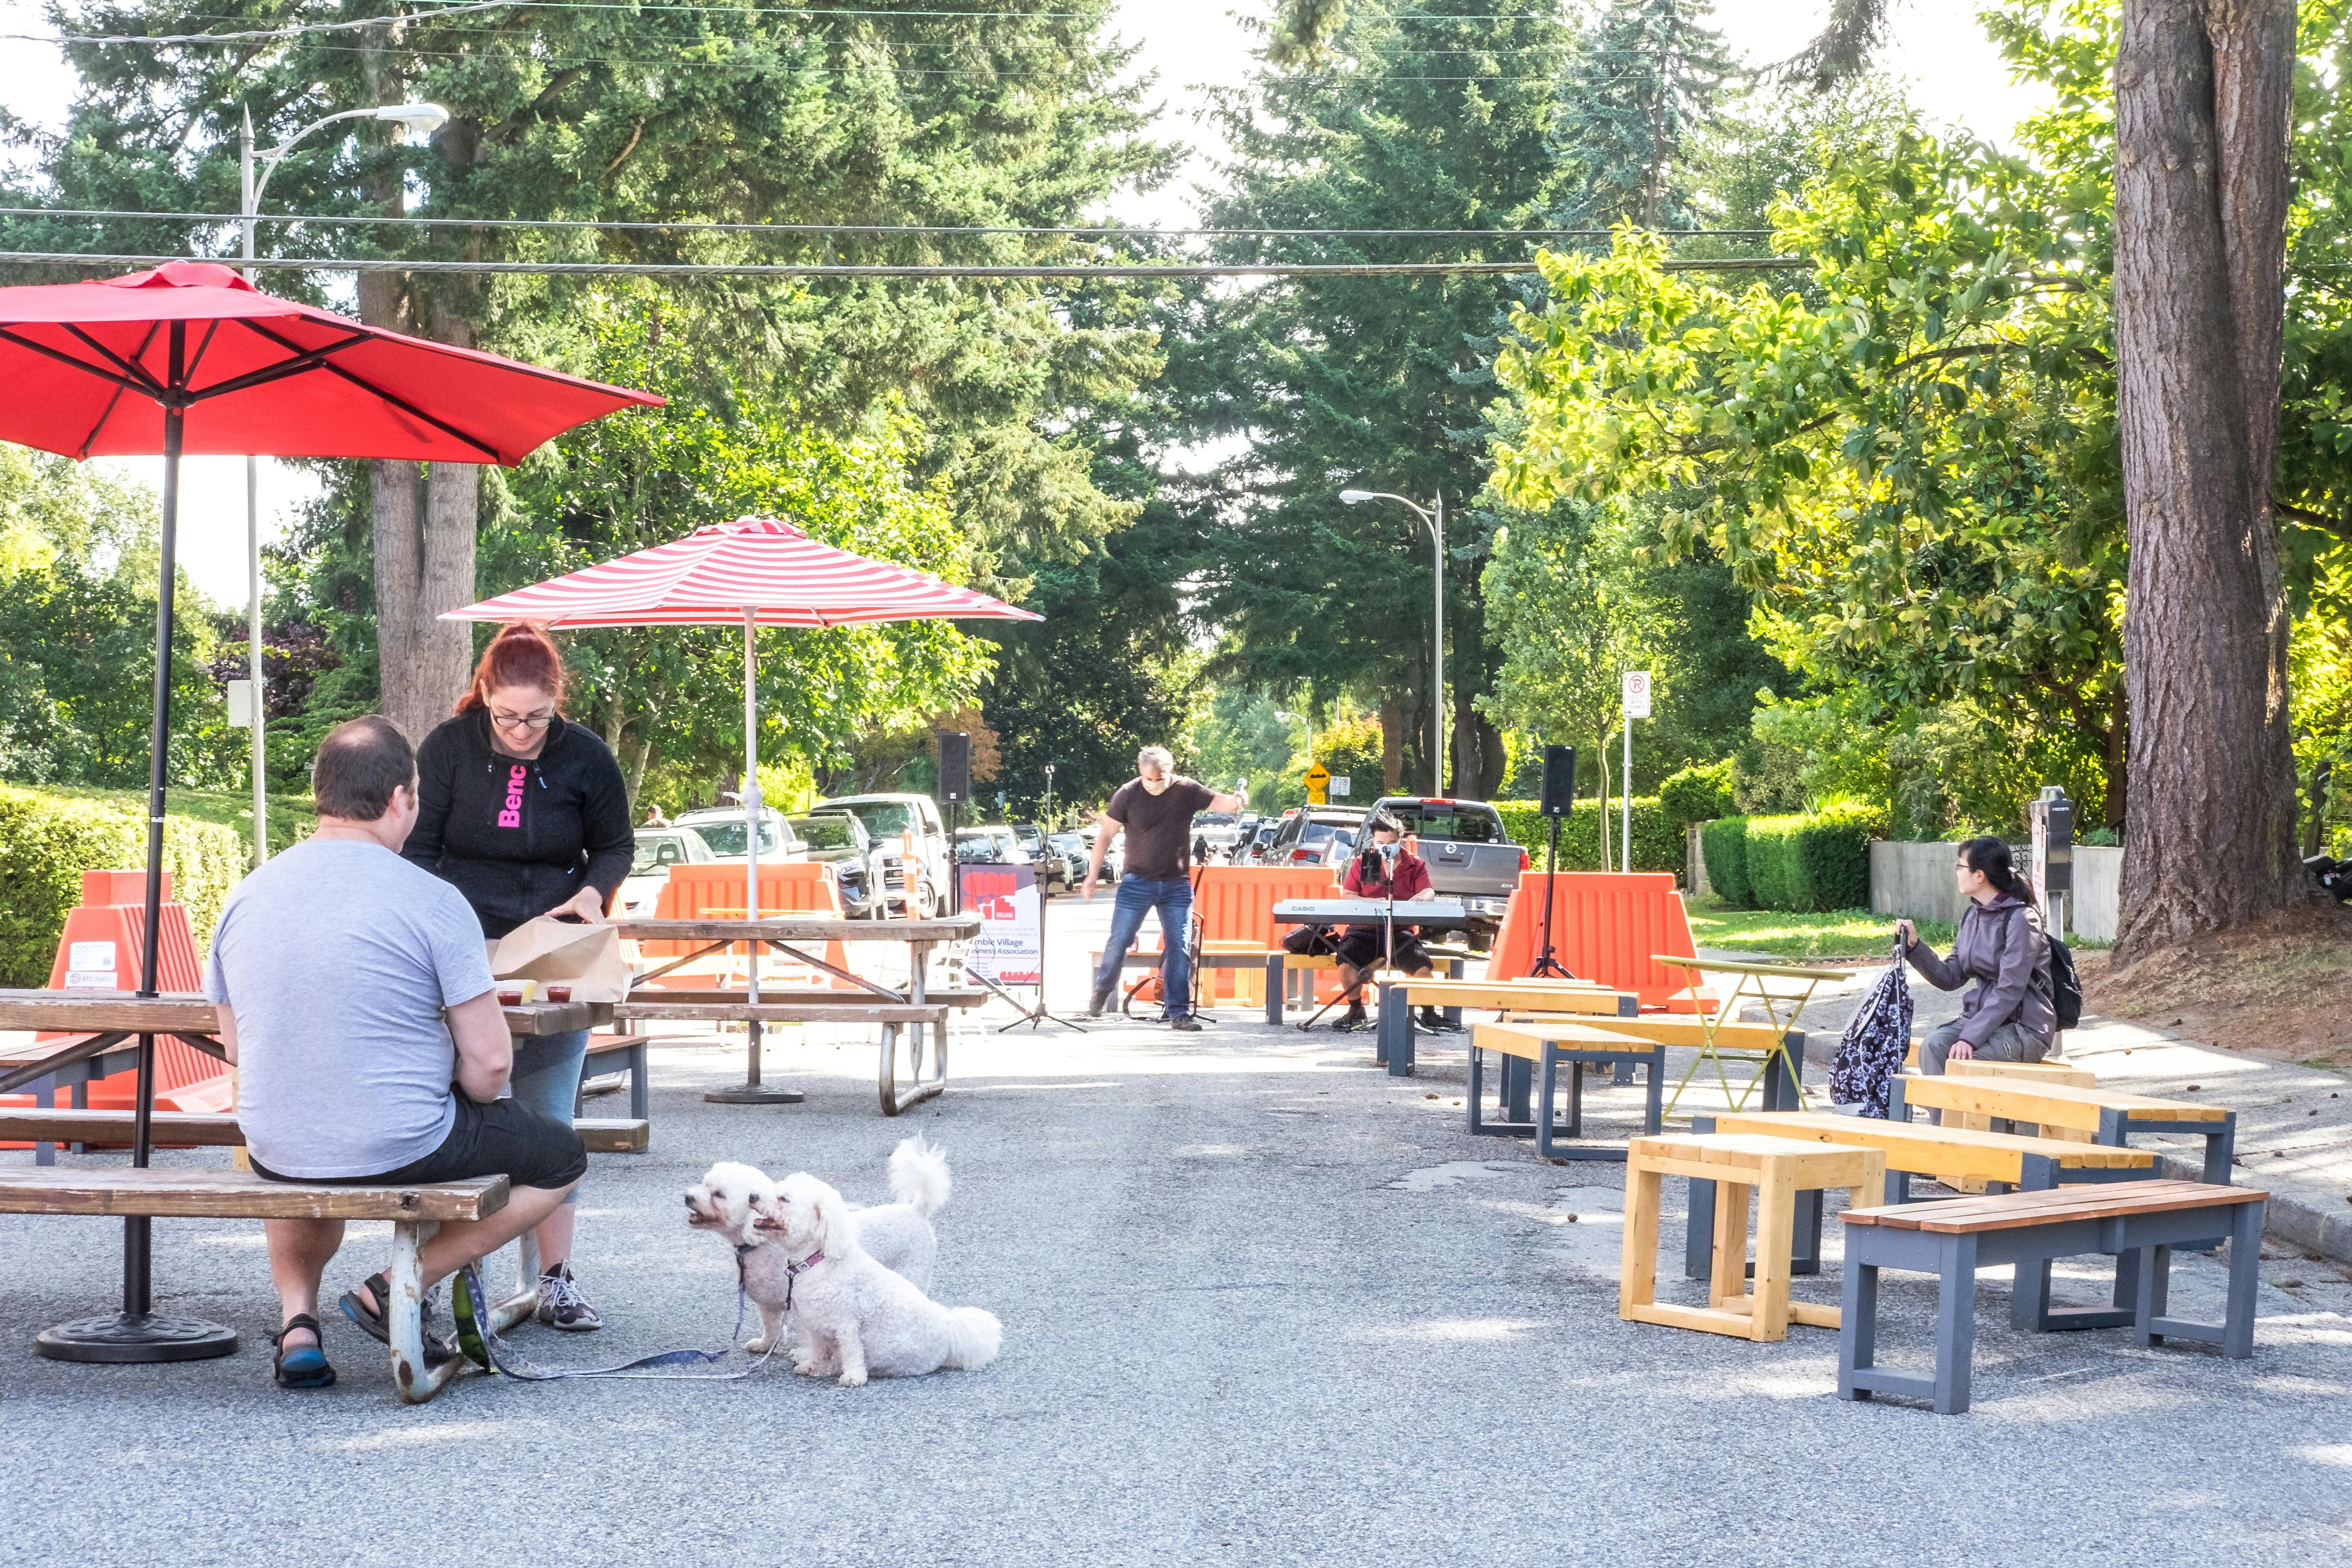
<point>191,358</point>
<point>756,572</point>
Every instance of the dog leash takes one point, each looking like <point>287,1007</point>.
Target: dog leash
<point>498,1355</point>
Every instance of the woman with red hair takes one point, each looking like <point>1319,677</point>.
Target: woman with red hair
<point>527,815</point>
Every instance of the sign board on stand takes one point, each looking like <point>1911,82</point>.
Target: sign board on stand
<point>1637,694</point>
<point>1319,786</point>
<point>1342,785</point>
<point>1011,947</point>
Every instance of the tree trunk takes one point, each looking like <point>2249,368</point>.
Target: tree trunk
<point>1391,745</point>
<point>2201,121</point>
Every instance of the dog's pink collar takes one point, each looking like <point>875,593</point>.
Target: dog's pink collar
<point>792,1272</point>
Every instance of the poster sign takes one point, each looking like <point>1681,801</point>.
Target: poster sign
<point>1637,694</point>
<point>1010,946</point>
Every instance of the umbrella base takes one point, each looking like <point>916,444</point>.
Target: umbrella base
<point>754,1094</point>
<point>125,1338</point>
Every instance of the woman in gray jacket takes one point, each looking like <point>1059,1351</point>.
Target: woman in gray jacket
<point>2001,945</point>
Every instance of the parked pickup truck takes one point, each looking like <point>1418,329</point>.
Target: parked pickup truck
<point>1470,857</point>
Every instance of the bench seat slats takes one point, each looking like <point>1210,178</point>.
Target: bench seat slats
<point>1921,1150</point>
<point>170,1129</point>
<point>2052,1104</point>
<point>2010,1211</point>
<point>844,1011</point>
<point>236,1195</point>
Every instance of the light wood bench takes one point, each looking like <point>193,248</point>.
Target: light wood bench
<point>1915,1149</point>
<point>1775,1170</point>
<point>1546,1046</point>
<point>192,1130</point>
<point>413,1211</point>
<point>2108,1116</point>
<point>1954,1239</point>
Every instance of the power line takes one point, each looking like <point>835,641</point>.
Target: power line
<point>157,40</point>
<point>1110,270</point>
<point>698,227</point>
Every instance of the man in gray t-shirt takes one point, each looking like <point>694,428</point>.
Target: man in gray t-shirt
<point>356,1000</point>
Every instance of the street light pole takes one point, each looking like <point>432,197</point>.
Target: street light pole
<point>1434,521</point>
<point>1049,793</point>
<point>1309,720</point>
<point>423,118</point>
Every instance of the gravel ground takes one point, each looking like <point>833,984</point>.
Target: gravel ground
<point>1262,1304</point>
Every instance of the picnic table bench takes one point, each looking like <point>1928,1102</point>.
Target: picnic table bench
<point>1914,1149</point>
<point>2109,1115</point>
<point>911,1008</point>
<point>212,1195</point>
<point>1394,1041</point>
<point>199,1130</point>
<point>1544,1046</point>
<point>1955,1238</point>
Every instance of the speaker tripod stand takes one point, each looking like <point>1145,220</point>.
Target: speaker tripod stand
<point>1547,964</point>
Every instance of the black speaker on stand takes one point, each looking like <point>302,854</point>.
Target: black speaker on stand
<point>1558,800</point>
<point>955,789</point>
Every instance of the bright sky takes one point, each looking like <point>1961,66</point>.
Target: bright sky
<point>1953,74</point>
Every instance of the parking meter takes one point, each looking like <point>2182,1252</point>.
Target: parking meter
<point>2051,816</point>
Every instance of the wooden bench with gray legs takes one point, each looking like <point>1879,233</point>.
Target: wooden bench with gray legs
<point>201,1130</point>
<point>1548,1045</point>
<point>1955,1238</point>
<point>2109,1115</point>
<point>415,1212</point>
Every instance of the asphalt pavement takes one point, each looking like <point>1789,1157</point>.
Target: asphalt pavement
<point>1263,1303</point>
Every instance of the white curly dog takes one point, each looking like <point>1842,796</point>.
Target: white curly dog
<point>897,1235</point>
<point>852,1317</point>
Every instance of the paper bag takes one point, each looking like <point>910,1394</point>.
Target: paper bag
<point>585,957</point>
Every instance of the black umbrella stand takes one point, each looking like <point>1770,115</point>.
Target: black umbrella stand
<point>138,1333</point>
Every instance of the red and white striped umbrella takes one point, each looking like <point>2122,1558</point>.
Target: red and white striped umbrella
<point>759,573</point>
<point>757,566</point>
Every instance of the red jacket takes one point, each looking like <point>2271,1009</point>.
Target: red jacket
<point>1411,877</point>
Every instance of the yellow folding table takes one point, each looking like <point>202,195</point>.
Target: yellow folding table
<point>1751,984</point>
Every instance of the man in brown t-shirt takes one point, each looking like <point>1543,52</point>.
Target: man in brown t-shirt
<point>1155,809</point>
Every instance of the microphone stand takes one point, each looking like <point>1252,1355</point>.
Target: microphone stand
<point>1549,963</point>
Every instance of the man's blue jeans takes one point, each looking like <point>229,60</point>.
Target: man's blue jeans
<point>1137,897</point>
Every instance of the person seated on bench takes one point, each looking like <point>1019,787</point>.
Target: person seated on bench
<point>1386,863</point>
<point>356,1002</point>
<point>2010,1017</point>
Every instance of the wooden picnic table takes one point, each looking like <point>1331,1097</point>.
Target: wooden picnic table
<point>111,1023</point>
<point>911,1007</point>
<point>1710,1050</point>
<point>2109,1115</point>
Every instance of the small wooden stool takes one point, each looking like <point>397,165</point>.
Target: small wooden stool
<point>1738,1163</point>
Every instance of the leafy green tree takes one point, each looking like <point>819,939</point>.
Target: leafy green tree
<point>1433,115</point>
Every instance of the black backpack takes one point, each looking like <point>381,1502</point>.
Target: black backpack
<point>2065,990</point>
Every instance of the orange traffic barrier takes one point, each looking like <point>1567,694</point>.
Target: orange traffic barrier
<point>714,891</point>
<point>98,951</point>
<point>1605,926</point>
<point>1235,903</point>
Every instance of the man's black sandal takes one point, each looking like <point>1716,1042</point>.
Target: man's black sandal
<point>371,1323</point>
<point>301,1365</point>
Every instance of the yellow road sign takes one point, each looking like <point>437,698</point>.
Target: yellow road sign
<point>1318,785</point>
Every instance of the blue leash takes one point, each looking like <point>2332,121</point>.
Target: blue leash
<point>663,1366</point>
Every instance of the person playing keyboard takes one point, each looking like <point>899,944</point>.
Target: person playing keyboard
<point>1386,867</point>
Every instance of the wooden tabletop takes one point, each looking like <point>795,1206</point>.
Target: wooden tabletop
<point>187,1012</point>
<point>2020,1099</point>
<point>803,928</point>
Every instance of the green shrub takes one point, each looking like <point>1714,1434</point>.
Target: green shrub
<point>1698,794</point>
<point>1657,840</point>
<point>1722,844</point>
<point>1812,862</point>
<point>47,841</point>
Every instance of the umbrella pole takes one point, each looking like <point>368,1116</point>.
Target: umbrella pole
<point>752,1092</point>
<point>137,1334</point>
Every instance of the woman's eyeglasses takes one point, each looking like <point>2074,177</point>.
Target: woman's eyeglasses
<point>521,721</point>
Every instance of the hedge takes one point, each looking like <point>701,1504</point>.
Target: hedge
<point>1657,841</point>
<point>46,843</point>
<point>1807,864</point>
<point>1698,794</point>
<point>1722,844</point>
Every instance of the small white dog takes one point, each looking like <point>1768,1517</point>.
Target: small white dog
<point>851,1316</point>
<point>897,1235</point>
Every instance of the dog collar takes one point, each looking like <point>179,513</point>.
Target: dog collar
<point>792,1272</point>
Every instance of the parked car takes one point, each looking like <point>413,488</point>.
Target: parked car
<point>1114,865</point>
<point>1470,856</point>
<point>1254,852</point>
<point>1217,832</point>
<point>1048,861</point>
<point>978,846</point>
<point>841,841</point>
<point>721,828</point>
<point>1316,835</point>
<point>1073,849</point>
<point>658,849</point>
<point>886,816</point>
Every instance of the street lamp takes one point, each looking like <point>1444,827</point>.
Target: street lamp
<point>1049,794</point>
<point>1436,522</point>
<point>423,119</point>
<point>1309,720</point>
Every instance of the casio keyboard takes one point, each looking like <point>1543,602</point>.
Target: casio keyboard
<point>1441,913</point>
